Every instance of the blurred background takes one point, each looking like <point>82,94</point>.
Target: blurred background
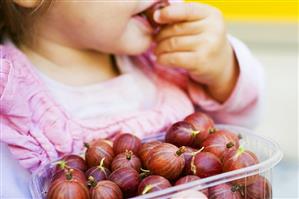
<point>270,29</point>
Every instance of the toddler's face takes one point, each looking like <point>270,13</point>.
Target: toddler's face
<point>109,26</point>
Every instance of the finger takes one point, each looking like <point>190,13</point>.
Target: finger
<point>178,44</point>
<point>179,29</point>
<point>186,60</point>
<point>182,12</point>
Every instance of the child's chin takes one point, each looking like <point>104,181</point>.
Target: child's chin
<point>138,48</point>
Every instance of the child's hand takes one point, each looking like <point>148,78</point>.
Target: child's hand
<point>194,38</point>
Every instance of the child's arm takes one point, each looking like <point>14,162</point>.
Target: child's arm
<point>224,79</point>
<point>244,105</point>
<point>28,145</point>
<point>31,152</point>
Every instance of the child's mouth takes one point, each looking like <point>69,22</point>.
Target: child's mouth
<point>145,22</point>
<point>148,14</point>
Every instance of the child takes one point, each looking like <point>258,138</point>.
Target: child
<point>73,71</point>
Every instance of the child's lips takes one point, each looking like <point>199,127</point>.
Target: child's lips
<point>146,16</point>
<point>149,13</point>
<point>144,23</point>
<point>145,6</point>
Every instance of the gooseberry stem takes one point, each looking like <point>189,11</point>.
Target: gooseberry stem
<point>181,150</point>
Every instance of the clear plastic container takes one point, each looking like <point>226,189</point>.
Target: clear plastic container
<point>267,151</point>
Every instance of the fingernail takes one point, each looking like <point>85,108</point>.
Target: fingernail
<point>157,15</point>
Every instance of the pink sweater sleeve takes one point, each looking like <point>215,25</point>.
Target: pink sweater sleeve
<point>28,145</point>
<point>243,107</point>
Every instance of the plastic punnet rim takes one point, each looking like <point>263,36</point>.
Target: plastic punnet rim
<point>205,182</point>
<point>228,176</point>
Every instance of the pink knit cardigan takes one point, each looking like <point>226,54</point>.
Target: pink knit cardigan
<point>37,129</point>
